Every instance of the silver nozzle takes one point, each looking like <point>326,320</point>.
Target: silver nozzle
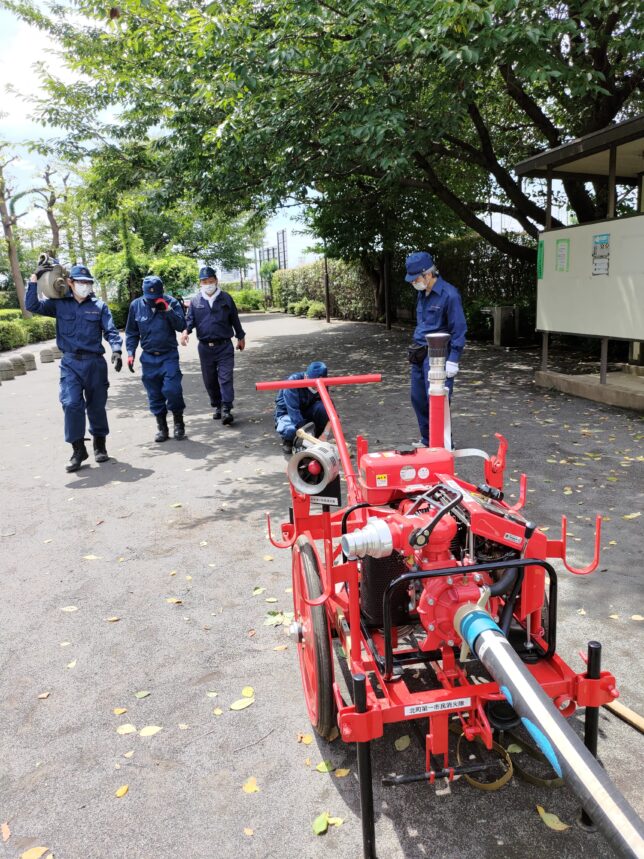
<point>374,540</point>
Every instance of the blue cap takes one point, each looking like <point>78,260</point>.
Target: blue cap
<point>316,370</point>
<point>206,272</point>
<point>417,263</point>
<point>80,272</point>
<point>152,286</point>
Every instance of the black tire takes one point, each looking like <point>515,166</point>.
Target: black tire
<point>318,659</point>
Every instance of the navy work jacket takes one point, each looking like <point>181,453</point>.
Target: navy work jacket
<point>293,401</point>
<point>80,327</point>
<point>218,322</point>
<point>156,330</point>
<point>441,311</point>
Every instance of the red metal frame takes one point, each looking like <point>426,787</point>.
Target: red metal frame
<point>458,694</point>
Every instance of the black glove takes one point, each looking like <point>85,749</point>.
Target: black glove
<point>161,304</point>
<point>44,264</point>
<point>130,363</point>
<point>117,360</point>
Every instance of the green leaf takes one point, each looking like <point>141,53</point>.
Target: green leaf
<point>321,823</point>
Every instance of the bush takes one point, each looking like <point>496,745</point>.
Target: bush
<point>316,310</point>
<point>12,313</point>
<point>119,314</point>
<point>39,328</point>
<point>302,306</point>
<point>13,334</point>
<point>249,299</point>
<point>292,307</point>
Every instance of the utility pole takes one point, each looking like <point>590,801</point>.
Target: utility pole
<point>327,293</point>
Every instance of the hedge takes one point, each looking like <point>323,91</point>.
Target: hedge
<point>13,334</point>
<point>40,328</point>
<point>10,313</point>
<point>249,299</point>
<point>351,292</point>
<point>119,314</point>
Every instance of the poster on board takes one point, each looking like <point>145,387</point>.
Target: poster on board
<point>601,253</point>
<point>562,255</point>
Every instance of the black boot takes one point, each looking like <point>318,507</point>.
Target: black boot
<point>216,415</point>
<point>162,424</point>
<point>179,426</point>
<point>79,455</point>
<point>100,452</point>
<point>227,415</point>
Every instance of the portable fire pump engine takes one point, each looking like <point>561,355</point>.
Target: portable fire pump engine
<point>444,606</point>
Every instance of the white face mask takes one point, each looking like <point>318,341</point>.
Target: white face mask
<point>210,288</point>
<point>82,288</point>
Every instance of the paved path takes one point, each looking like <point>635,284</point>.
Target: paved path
<point>170,539</point>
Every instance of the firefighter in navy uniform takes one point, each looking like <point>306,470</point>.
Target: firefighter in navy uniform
<point>297,407</point>
<point>82,320</point>
<point>153,321</point>
<point>213,314</point>
<point>438,308</point>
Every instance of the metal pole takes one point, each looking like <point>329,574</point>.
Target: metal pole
<point>365,777</point>
<point>612,182</point>
<point>548,224</point>
<point>327,293</point>
<point>609,810</point>
<point>603,361</point>
<point>591,722</point>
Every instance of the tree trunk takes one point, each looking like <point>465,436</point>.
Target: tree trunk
<point>12,250</point>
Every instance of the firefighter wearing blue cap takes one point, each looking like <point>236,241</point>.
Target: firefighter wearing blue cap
<point>153,321</point>
<point>295,407</point>
<point>438,309</point>
<point>82,320</point>
<point>213,314</point>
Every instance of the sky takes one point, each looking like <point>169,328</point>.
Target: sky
<point>21,47</point>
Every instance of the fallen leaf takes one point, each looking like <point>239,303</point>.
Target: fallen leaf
<point>321,823</point>
<point>43,695</point>
<point>342,772</point>
<point>281,647</point>
<point>257,591</point>
<point>307,762</point>
<point>581,611</point>
<point>305,739</point>
<point>325,767</point>
<point>91,557</point>
<point>217,711</point>
<point>271,599</point>
<point>613,616</point>
<point>142,694</point>
<point>150,730</point>
<point>631,516</point>
<point>212,694</point>
<point>48,541</point>
<point>242,703</point>
<point>251,633</point>
<point>552,820</point>
<point>112,619</point>
<point>173,573</point>
<point>336,821</point>
<point>248,692</point>
<point>118,711</point>
<point>126,729</point>
<point>69,608</point>
<point>176,504</point>
<point>121,791</point>
<point>183,726</point>
<point>188,578</point>
<point>637,617</point>
<point>72,664</point>
<point>248,831</point>
<point>514,749</point>
<point>402,743</point>
<point>268,557</point>
<point>204,543</point>
<point>65,643</point>
<point>128,754</point>
<point>6,832</point>
<point>174,601</point>
<point>250,786</point>
<point>34,853</point>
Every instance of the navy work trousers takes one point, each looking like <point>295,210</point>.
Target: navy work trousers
<point>162,381</point>
<point>83,388</point>
<point>420,394</point>
<point>217,363</point>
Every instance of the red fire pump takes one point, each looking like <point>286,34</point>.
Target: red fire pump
<point>424,571</point>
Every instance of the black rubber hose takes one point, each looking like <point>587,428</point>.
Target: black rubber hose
<point>504,583</point>
<point>508,608</point>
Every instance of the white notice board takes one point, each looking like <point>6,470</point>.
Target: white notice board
<point>591,279</point>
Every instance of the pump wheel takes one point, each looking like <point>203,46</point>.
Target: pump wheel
<point>314,645</point>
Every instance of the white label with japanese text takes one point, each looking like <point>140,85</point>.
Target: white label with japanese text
<point>438,706</point>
